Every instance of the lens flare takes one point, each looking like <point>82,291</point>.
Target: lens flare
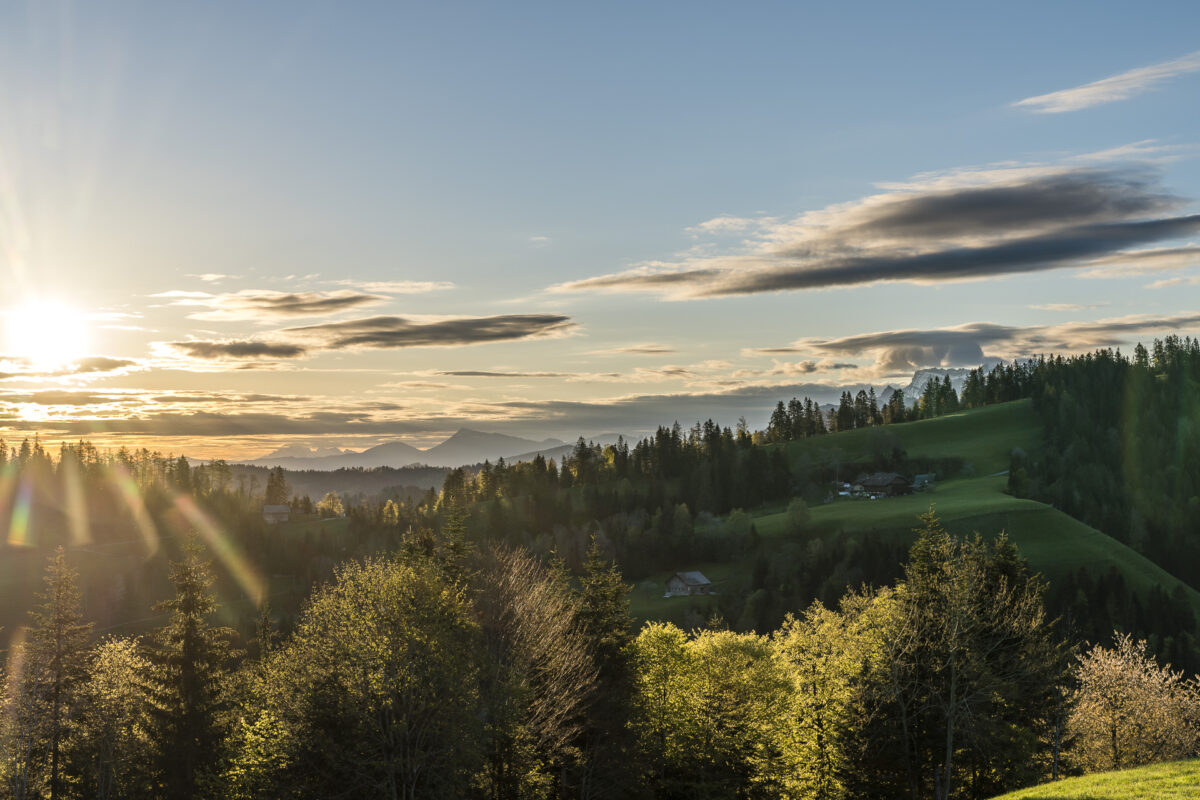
<point>224,548</point>
<point>127,489</point>
<point>8,484</point>
<point>77,510</point>
<point>19,534</point>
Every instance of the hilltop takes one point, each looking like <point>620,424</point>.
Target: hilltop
<point>1174,781</point>
<point>975,446</point>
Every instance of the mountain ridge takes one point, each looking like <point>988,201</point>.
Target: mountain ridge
<point>464,446</point>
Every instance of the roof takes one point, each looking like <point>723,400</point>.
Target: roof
<point>693,578</point>
<point>883,479</point>
<point>276,509</point>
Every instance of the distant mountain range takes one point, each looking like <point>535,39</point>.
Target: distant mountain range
<point>958,378</point>
<point>464,447</point>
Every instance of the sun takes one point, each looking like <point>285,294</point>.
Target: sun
<point>46,333</point>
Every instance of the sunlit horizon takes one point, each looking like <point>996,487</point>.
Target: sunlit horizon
<point>308,243</point>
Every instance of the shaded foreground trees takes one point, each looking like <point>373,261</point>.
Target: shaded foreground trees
<point>443,671</point>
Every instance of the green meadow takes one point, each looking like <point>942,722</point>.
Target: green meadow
<point>1053,542</point>
<point>1178,780</point>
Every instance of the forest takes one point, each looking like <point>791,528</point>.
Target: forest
<point>449,669</point>
<point>479,641</point>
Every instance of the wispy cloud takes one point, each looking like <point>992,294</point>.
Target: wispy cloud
<point>261,304</point>
<point>398,332</point>
<point>397,287</point>
<point>646,349</point>
<point>1184,280</point>
<point>1127,263</point>
<point>724,224</point>
<point>961,226</point>
<point>1111,89</point>
<point>484,373</point>
<point>15,369</point>
<point>1066,306</point>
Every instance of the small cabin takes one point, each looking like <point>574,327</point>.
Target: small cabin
<point>687,583</point>
<point>276,514</point>
<point>885,484</point>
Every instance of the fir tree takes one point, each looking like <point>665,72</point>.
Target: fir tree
<point>188,660</point>
<point>59,642</point>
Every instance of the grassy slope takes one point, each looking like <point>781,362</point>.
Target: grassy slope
<point>1053,542</point>
<point>1173,781</point>
<point>984,437</point>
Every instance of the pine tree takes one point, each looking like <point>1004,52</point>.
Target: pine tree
<point>454,547</point>
<point>59,645</point>
<point>188,661</point>
<point>277,487</point>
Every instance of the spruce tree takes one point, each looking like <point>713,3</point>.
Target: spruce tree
<point>59,649</point>
<point>188,660</point>
<point>277,487</point>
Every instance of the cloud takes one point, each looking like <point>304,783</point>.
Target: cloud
<point>634,414</point>
<point>724,224</point>
<point>205,397</point>
<point>258,304</point>
<point>53,397</point>
<point>210,277</point>
<point>397,332</point>
<point>478,373</point>
<point>1067,306</point>
<point>174,294</point>
<point>1111,89</point>
<point>405,385</point>
<point>666,372</point>
<point>1146,151</point>
<point>398,287</point>
<point>1126,263</point>
<point>963,226</point>
<point>648,349</point>
<point>1188,280</point>
<point>237,348</point>
<point>16,369</point>
<point>963,345</point>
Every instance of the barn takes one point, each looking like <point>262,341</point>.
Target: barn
<point>685,583</point>
<point>275,514</point>
<point>885,484</point>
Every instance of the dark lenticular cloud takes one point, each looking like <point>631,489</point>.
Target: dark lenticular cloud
<point>963,345</point>
<point>397,332</point>
<point>1003,223</point>
<point>1061,248</point>
<point>209,349</point>
<point>1055,199</point>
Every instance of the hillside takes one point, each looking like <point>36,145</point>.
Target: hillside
<point>1053,542</point>
<point>1174,781</point>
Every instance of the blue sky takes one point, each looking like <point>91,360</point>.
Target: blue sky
<point>392,192</point>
